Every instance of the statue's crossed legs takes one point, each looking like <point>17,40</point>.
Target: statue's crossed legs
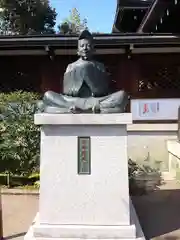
<point>59,103</point>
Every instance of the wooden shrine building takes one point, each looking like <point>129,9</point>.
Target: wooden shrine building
<point>142,53</point>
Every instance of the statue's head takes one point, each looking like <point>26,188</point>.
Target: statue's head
<point>85,45</point>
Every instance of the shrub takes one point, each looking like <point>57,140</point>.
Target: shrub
<point>142,178</point>
<point>34,177</point>
<point>14,180</point>
<point>37,184</point>
<point>19,142</point>
<point>18,96</point>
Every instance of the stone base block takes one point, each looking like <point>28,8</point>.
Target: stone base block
<point>61,232</point>
<point>83,231</point>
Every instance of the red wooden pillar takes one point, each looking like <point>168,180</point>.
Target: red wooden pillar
<point>135,77</point>
<point>127,76</point>
<point>52,73</point>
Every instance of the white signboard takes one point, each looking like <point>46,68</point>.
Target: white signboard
<point>155,109</point>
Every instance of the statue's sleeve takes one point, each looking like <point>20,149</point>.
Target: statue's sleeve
<point>72,81</point>
<point>68,69</point>
<point>101,67</point>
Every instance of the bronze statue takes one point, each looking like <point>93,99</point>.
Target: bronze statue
<point>85,86</point>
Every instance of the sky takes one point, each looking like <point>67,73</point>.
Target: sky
<point>99,13</point>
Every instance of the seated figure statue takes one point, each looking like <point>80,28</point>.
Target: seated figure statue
<point>86,86</point>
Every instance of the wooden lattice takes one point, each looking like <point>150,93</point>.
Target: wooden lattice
<point>161,81</point>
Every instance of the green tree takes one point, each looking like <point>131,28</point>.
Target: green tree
<point>19,136</point>
<point>73,24</point>
<point>26,17</point>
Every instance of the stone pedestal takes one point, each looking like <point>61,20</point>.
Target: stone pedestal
<point>84,205</point>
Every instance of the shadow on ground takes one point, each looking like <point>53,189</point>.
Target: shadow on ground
<point>171,238</point>
<point>15,236</point>
<point>159,214</point>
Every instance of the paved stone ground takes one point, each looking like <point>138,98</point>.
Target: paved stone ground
<point>159,213</point>
<point>18,214</point>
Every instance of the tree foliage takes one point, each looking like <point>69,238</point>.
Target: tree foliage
<point>73,24</point>
<point>26,17</point>
<point>19,141</point>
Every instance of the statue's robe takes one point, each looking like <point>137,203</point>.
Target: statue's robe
<point>86,79</point>
<point>86,85</point>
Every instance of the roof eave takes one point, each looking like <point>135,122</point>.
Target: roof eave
<point>102,41</point>
<point>153,14</point>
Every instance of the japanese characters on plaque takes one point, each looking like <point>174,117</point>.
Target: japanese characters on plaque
<point>84,161</point>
